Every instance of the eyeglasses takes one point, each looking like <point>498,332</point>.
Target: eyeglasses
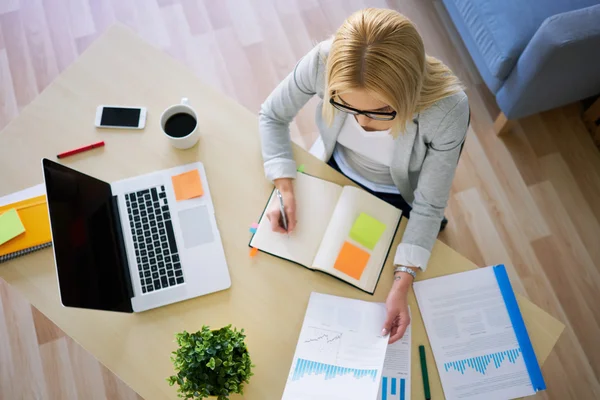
<point>376,115</point>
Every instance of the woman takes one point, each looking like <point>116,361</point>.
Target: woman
<point>391,118</point>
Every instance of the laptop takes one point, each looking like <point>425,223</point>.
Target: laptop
<point>129,245</point>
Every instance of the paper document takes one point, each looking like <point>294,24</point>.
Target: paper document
<point>340,351</point>
<point>25,194</point>
<point>395,381</point>
<point>473,340</point>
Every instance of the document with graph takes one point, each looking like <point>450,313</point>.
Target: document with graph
<point>395,380</point>
<point>478,337</point>
<point>340,351</point>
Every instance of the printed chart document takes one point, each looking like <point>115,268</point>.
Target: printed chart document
<point>395,380</point>
<point>340,351</point>
<point>479,341</point>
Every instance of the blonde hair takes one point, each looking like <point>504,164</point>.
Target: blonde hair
<point>381,51</point>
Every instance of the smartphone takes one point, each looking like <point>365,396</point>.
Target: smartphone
<point>121,117</point>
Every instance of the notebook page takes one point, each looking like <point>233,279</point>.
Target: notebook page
<point>354,201</point>
<point>315,201</point>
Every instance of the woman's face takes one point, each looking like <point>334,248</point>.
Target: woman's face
<point>364,101</point>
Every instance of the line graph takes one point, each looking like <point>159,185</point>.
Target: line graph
<point>321,344</point>
<point>325,338</point>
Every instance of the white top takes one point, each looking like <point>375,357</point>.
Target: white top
<point>366,157</point>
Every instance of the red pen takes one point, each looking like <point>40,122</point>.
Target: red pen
<point>80,150</point>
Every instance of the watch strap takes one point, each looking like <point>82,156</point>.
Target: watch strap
<point>401,268</point>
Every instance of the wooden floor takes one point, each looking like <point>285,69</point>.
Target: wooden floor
<point>38,361</point>
<point>530,200</point>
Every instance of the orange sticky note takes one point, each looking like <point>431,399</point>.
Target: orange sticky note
<point>352,260</point>
<point>253,251</point>
<point>187,185</point>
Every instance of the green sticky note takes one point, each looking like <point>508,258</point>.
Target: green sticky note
<point>367,230</point>
<point>10,226</point>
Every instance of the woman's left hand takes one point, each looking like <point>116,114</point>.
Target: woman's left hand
<point>396,305</point>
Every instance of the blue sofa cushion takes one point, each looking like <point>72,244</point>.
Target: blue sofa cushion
<point>501,29</point>
<point>558,66</point>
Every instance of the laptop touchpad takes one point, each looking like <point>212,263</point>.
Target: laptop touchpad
<point>195,226</point>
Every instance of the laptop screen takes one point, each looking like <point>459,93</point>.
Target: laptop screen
<point>91,273</point>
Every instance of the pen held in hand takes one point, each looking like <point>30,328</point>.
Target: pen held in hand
<point>282,211</point>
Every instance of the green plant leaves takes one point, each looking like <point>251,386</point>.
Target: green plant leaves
<point>211,363</point>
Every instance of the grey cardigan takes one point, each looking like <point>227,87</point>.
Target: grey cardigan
<point>425,155</point>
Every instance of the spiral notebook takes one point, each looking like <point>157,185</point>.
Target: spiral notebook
<point>31,207</point>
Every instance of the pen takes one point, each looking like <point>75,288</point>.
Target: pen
<point>80,150</point>
<point>282,210</point>
<point>424,372</point>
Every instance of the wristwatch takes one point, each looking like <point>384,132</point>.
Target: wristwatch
<point>402,268</point>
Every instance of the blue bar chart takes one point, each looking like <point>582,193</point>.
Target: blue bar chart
<point>329,371</point>
<point>481,363</point>
<point>393,388</point>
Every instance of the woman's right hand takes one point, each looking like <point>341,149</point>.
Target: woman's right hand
<point>286,188</point>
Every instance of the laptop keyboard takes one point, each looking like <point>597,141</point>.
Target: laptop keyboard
<point>156,252</point>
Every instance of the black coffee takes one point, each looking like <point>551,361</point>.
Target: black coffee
<point>180,125</point>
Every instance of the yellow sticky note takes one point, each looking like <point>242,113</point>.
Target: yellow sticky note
<point>367,231</point>
<point>10,226</point>
<point>187,185</point>
<point>352,260</point>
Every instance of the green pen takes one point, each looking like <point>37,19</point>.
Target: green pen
<point>424,373</point>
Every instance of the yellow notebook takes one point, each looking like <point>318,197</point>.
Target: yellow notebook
<point>34,216</point>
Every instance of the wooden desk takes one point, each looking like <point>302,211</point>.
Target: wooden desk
<point>268,296</point>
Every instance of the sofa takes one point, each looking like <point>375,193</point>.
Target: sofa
<point>533,55</point>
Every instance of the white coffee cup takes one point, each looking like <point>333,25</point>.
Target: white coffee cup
<point>179,124</point>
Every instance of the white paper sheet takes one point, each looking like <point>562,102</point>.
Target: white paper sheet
<point>340,351</point>
<point>24,194</point>
<point>395,380</point>
<point>474,345</point>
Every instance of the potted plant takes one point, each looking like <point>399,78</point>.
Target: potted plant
<point>211,363</point>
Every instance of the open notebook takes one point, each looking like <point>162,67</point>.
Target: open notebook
<point>342,230</point>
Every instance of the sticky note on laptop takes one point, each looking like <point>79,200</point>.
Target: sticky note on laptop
<point>367,230</point>
<point>187,185</point>
<point>352,260</point>
<point>10,226</point>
